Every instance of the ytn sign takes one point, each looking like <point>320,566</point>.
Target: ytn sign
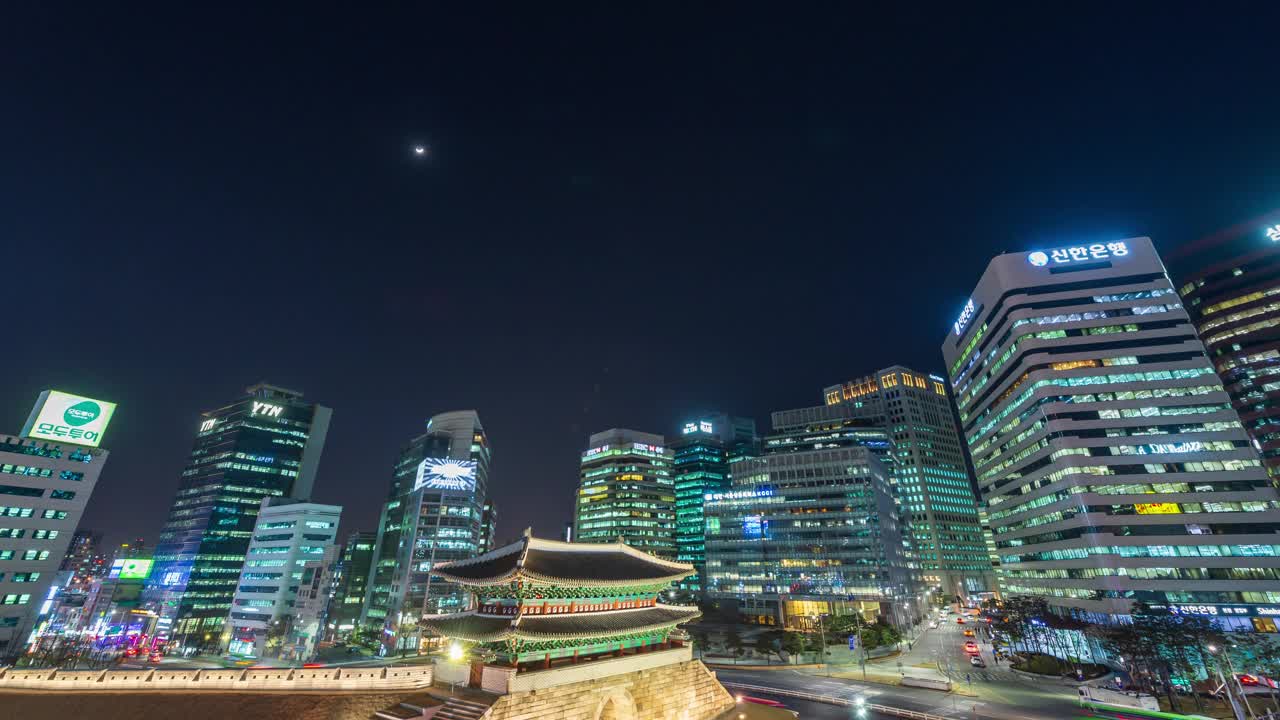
<point>261,408</point>
<point>63,417</point>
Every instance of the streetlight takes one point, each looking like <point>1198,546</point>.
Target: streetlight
<point>1226,685</point>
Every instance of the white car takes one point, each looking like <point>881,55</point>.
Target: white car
<point>933,625</point>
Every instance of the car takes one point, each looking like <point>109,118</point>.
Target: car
<point>968,632</point>
<point>131,652</point>
<point>155,657</point>
<point>960,621</point>
<point>933,625</point>
<point>977,661</point>
<point>767,703</point>
<point>971,648</point>
<point>1251,680</point>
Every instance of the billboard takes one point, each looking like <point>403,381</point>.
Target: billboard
<point>446,474</point>
<point>67,418</point>
<point>130,568</point>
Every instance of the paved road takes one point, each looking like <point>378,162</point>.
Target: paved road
<point>821,711</point>
<point>998,692</point>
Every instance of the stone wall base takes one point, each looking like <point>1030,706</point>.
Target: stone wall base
<point>679,691</point>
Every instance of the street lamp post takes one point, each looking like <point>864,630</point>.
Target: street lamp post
<point>1226,685</point>
<point>822,647</point>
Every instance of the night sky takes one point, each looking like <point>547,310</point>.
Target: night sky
<point>625,217</point>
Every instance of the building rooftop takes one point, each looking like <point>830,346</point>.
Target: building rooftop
<point>556,563</point>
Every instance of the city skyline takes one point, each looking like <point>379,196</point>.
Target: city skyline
<point>480,274</point>
<point>670,422</point>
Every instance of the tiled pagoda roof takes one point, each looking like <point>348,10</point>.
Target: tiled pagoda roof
<point>475,627</point>
<point>559,563</point>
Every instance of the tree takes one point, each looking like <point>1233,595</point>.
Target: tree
<point>733,641</point>
<point>279,631</point>
<point>770,643</point>
<point>701,638</point>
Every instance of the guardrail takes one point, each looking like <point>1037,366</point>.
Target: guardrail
<point>220,679</point>
<point>839,701</point>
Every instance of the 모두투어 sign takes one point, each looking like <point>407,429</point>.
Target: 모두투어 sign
<point>63,417</point>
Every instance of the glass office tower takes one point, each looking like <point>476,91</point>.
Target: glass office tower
<point>1111,462</point>
<point>806,533</point>
<point>352,582</point>
<point>265,444</point>
<point>1230,284</point>
<point>626,491</point>
<point>701,455</point>
<point>930,476</point>
<point>433,514</point>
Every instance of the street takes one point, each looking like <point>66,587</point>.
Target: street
<point>998,692</point>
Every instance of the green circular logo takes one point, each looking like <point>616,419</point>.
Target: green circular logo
<point>82,413</point>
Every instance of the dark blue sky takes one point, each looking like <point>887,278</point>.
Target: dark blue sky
<point>626,215</point>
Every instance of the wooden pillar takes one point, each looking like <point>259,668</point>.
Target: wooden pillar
<point>546,661</point>
<point>575,656</point>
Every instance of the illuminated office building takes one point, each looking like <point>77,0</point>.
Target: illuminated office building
<point>44,488</point>
<point>488,526</point>
<point>288,535</point>
<point>931,479</point>
<point>433,514</point>
<point>265,444</point>
<point>808,532</point>
<point>1111,462</point>
<point>626,490</point>
<point>1230,285</point>
<point>351,584</point>
<point>701,456</point>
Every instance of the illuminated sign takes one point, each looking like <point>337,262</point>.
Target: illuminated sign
<point>1078,253</point>
<point>261,408</point>
<point>1273,233</point>
<point>207,425</point>
<point>965,316</point>
<point>1166,448</point>
<point>64,417</point>
<point>740,494</point>
<point>700,426</point>
<point>1157,508</point>
<point>647,448</point>
<point>595,451</point>
<point>1225,610</point>
<point>754,527</point>
<point>446,474</point>
<point>130,568</point>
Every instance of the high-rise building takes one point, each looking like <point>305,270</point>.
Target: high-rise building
<point>352,581</point>
<point>626,491</point>
<point>1230,285</point>
<point>488,526</point>
<point>288,534</point>
<point>266,444</point>
<point>808,533</point>
<point>84,556</point>
<point>432,514</point>
<point>313,605</point>
<point>701,454</point>
<point>46,477</point>
<point>930,476</point>
<point>1111,462</point>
